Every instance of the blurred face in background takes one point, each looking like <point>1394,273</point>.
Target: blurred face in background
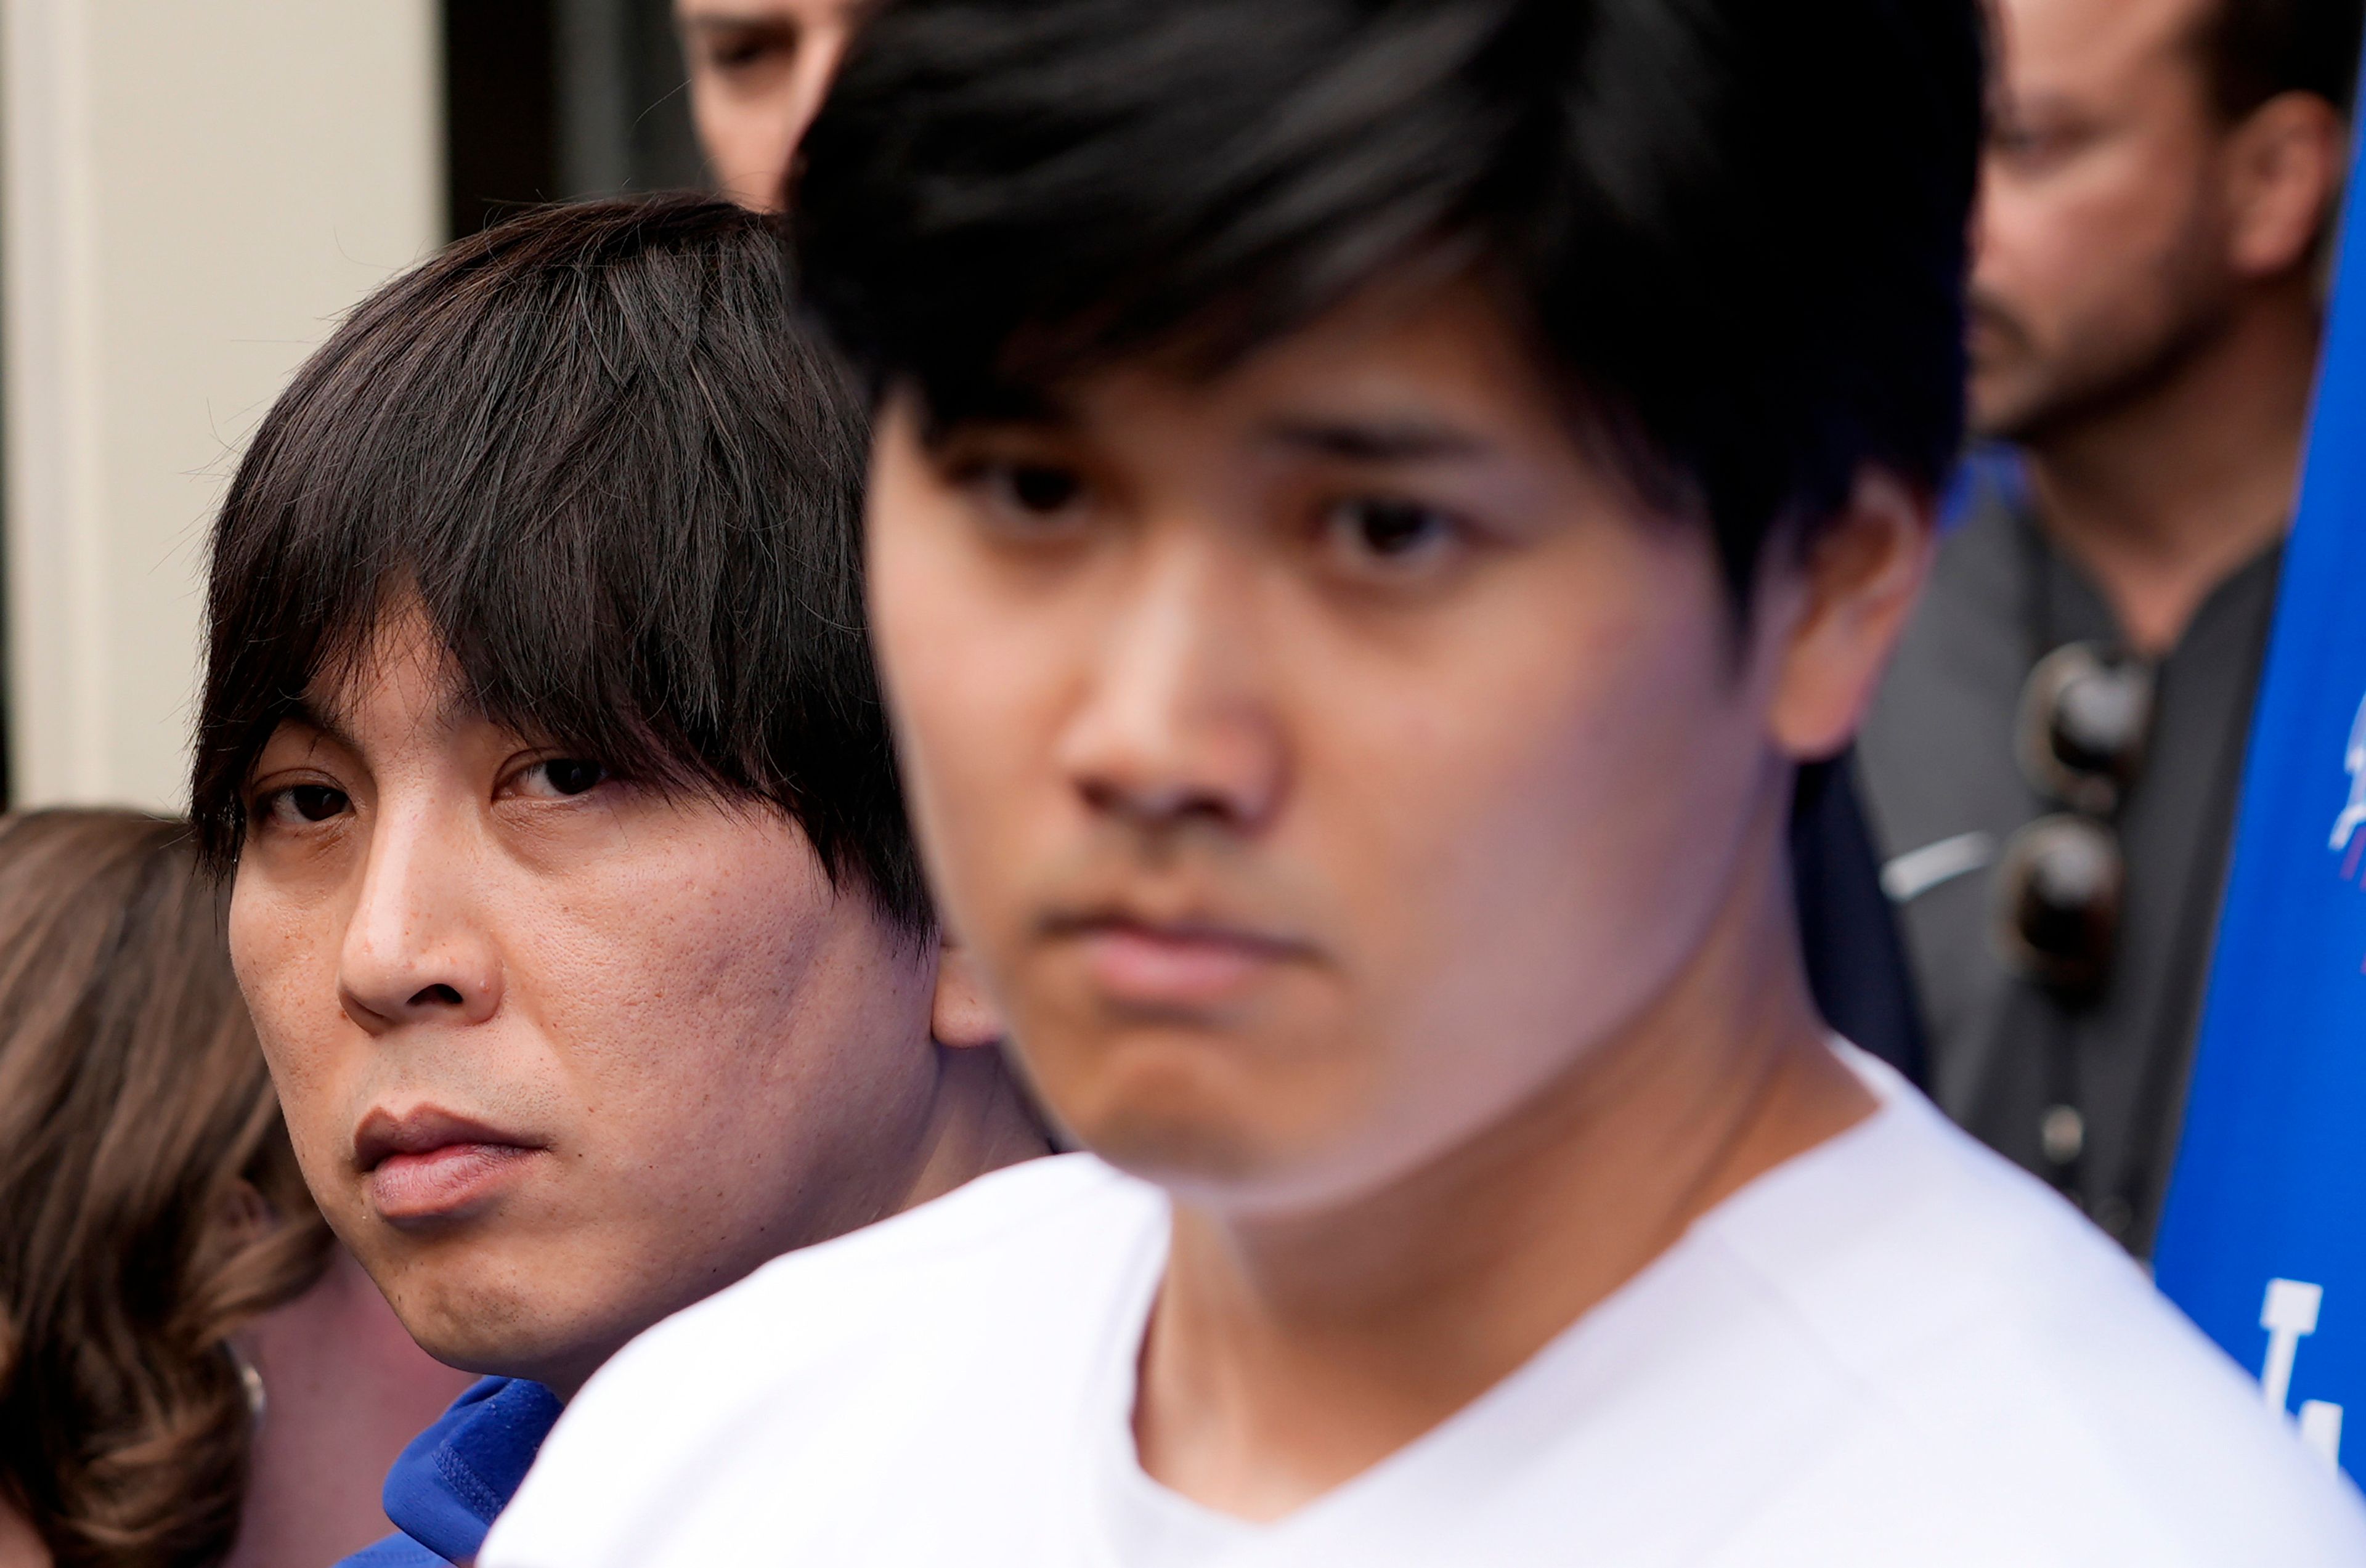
<point>559,1054</point>
<point>2121,215</point>
<point>759,70</point>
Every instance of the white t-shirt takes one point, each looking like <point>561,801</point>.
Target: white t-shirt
<point>1894,1350</point>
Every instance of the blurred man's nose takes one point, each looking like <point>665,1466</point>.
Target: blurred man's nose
<point>1176,723</point>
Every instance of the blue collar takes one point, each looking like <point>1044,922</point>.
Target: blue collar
<point>456,1476</point>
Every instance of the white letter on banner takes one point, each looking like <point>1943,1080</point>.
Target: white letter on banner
<point>2288,1314</point>
<point>2353,762</point>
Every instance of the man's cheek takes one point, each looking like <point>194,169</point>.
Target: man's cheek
<point>299,1027</point>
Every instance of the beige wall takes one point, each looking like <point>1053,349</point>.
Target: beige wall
<point>193,191</point>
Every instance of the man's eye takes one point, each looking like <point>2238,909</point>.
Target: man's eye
<point>1036,487</point>
<point>562,777</point>
<point>1029,502</point>
<point>1399,533</point>
<point>304,803</point>
<point>729,48</point>
<point>747,52</point>
<point>2032,145</point>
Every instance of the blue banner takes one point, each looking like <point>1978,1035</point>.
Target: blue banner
<point>2264,1238</point>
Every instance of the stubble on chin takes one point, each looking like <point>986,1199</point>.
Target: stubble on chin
<point>2007,385</point>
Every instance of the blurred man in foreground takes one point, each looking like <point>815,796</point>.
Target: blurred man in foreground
<point>2053,763</point>
<point>759,70</point>
<point>1371,507</point>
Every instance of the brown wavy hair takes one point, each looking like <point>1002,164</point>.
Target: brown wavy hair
<point>150,1204</point>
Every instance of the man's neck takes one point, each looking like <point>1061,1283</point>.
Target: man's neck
<point>1287,1356</point>
<point>2163,497</point>
<point>977,1120</point>
<point>980,1121</point>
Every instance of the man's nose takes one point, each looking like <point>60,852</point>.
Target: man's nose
<point>414,951</point>
<point>1175,723</point>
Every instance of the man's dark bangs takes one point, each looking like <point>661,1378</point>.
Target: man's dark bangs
<point>1735,231</point>
<point>1074,251</point>
<point>624,493</point>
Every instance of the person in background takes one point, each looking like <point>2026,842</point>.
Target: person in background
<point>2052,765</point>
<point>759,70</point>
<point>1371,507</point>
<point>192,1370</point>
<point>573,896</point>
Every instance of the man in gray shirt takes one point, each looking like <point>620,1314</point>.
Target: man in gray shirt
<point>2155,200</point>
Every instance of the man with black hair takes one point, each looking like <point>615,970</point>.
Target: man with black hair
<point>758,72</point>
<point>1371,506</point>
<point>2053,763</point>
<point>572,893</point>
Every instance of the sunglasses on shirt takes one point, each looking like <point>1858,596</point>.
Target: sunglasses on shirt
<point>2086,714</point>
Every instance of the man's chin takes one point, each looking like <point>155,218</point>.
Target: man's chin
<point>2007,384</point>
<point>2003,403</point>
<point>2028,400</point>
<point>1236,1165</point>
<point>1179,1147</point>
<point>549,1357</point>
<point>1215,1163</point>
<point>471,1313</point>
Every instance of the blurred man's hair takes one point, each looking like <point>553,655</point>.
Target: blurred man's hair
<point>2255,49</point>
<point>1733,229</point>
<point>626,489</point>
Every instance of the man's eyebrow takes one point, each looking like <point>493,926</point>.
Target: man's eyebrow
<point>1378,440</point>
<point>311,716</point>
<point>738,22</point>
<point>995,408</point>
<point>451,710</point>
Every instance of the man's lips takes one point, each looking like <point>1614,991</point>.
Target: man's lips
<point>431,1164</point>
<point>1175,964</point>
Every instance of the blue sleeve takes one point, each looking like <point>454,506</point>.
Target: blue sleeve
<point>397,1550</point>
<point>456,1476</point>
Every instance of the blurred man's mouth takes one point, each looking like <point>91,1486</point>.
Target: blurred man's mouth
<point>1172,965</point>
<point>428,1164</point>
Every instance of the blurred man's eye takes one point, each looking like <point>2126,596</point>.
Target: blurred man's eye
<point>742,49</point>
<point>1037,487</point>
<point>1027,495</point>
<point>1389,533</point>
<point>2033,143</point>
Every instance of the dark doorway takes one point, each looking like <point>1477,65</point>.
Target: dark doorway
<point>550,99</point>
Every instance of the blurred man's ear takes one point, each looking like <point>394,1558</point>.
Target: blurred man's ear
<point>2284,169</point>
<point>1843,611</point>
<point>961,1017</point>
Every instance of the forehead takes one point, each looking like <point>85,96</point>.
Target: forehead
<point>1440,365</point>
<point>2078,48</point>
<point>737,13</point>
<point>398,682</point>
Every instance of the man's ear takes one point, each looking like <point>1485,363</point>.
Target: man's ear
<point>2284,166</point>
<point>1860,581</point>
<point>962,1016</point>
